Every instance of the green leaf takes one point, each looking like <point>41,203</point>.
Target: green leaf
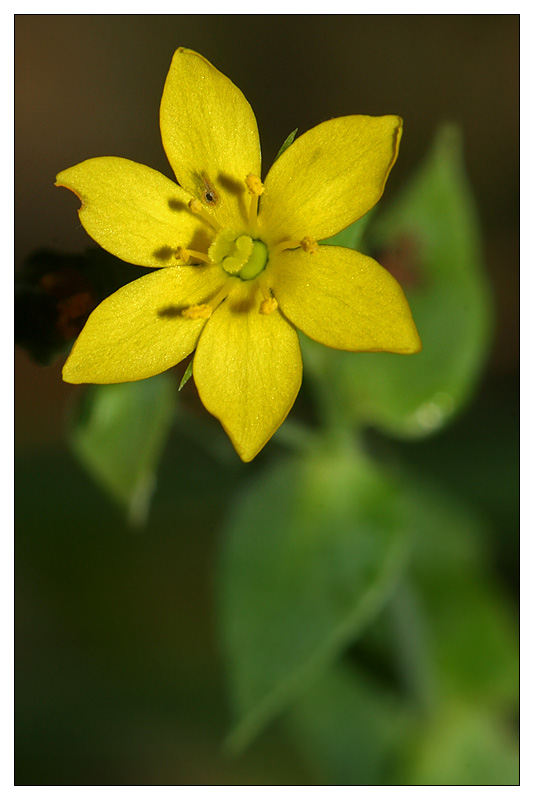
<point>464,746</point>
<point>430,696</point>
<point>348,728</point>
<point>119,434</point>
<point>468,658</point>
<point>472,634</point>
<point>312,552</point>
<point>430,240</point>
<point>430,693</point>
<point>288,141</point>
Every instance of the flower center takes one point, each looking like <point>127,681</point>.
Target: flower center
<point>239,255</point>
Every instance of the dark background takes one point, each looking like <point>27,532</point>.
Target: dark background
<point>119,679</point>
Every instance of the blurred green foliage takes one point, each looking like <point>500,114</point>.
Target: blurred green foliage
<point>119,434</point>
<point>438,649</point>
<point>309,558</point>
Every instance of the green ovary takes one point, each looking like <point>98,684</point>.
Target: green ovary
<point>257,261</point>
<point>239,256</point>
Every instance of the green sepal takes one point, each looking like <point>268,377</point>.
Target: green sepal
<point>186,376</point>
<point>288,141</point>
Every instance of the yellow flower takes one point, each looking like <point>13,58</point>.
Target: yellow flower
<point>240,265</point>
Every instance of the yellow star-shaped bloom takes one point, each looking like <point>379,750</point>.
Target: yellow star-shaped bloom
<point>240,265</point>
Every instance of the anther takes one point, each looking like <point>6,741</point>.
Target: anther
<point>182,254</point>
<point>255,188</point>
<point>195,206</point>
<point>254,185</point>
<point>309,245</point>
<point>268,305</point>
<point>203,311</point>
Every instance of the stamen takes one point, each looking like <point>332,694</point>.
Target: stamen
<point>255,188</point>
<point>289,245</point>
<point>222,294</point>
<point>308,244</point>
<point>196,207</point>
<point>205,310</point>
<point>183,254</point>
<point>264,286</point>
<point>268,305</point>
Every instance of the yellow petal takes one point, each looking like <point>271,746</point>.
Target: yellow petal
<point>248,370</point>
<point>329,177</point>
<point>344,299</point>
<point>139,331</point>
<point>210,135</point>
<point>134,212</point>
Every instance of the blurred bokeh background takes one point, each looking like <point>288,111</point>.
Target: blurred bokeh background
<point>119,674</point>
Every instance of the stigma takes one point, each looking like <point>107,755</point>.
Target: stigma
<point>240,256</point>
